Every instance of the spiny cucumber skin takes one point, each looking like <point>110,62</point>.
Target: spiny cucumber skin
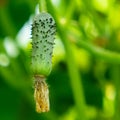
<point>43,34</point>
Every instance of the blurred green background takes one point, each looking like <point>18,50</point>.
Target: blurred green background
<point>84,82</point>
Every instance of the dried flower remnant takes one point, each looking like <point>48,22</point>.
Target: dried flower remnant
<point>41,94</point>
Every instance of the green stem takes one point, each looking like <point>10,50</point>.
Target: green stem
<point>106,55</point>
<point>42,6</point>
<point>70,11</point>
<point>115,72</point>
<point>101,53</point>
<point>76,82</point>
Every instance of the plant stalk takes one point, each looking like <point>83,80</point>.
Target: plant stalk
<point>75,79</point>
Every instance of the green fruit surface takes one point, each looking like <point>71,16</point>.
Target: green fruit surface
<point>43,35</point>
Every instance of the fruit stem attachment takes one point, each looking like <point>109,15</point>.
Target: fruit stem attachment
<point>41,94</point>
<point>42,6</point>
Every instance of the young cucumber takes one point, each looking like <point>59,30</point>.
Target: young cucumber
<point>43,35</point>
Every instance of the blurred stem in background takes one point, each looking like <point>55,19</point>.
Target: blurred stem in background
<point>115,75</point>
<point>76,82</point>
<point>105,55</point>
